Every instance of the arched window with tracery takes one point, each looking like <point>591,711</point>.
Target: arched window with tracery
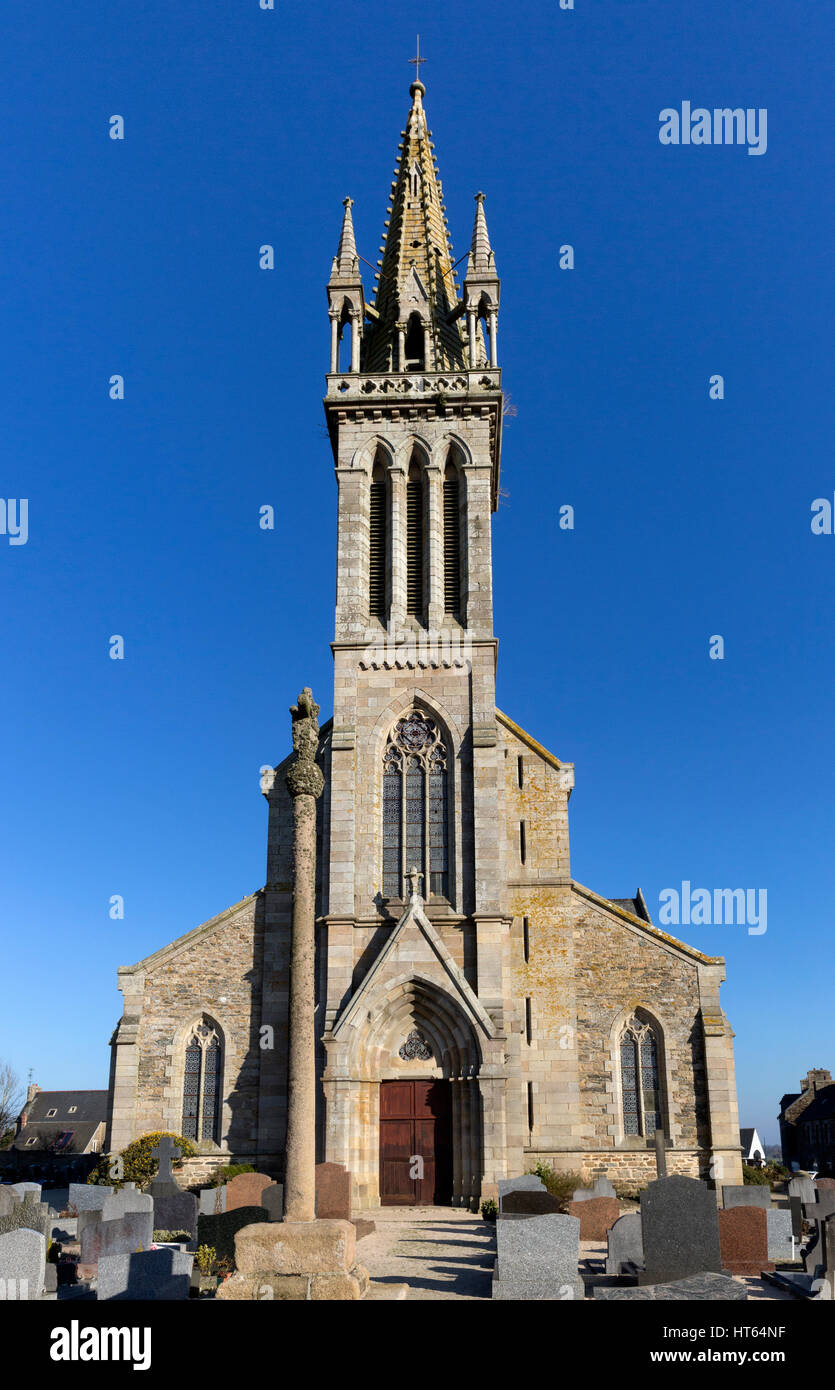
<point>202,1083</point>
<point>416,806</point>
<point>640,1078</point>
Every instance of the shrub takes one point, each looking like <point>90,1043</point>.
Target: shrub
<point>755,1177</point>
<point>229,1171</point>
<point>630,1191</point>
<point>206,1257</point>
<point>489,1209</point>
<point>560,1185</point>
<point>137,1162</point>
<point>171,1237</point>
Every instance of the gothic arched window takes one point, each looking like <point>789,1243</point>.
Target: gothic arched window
<point>415,806</point>
<point>378,545</point>
<point>414,542</point>
<point>639,1075</point>
<point>202,1083</point>
<point>452,542</point>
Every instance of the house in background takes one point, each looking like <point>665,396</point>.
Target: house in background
<point>753,1149</point>
<point>807,1124</point>
<point>61,1122</point>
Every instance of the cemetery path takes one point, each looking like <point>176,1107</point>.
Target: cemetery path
<point>440,1252</point>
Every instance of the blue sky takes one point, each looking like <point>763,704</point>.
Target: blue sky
<point>140,257</point>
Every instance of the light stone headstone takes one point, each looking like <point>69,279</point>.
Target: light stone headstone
<point>212,1200</point>
<point>746,1195</point>
<point>802,1186</point>
<point>602,1188</point>
<point>126,1234</point>
<point>27,1189</point>
<point>8,1200</point>
<point>149,1276</point>
<point>680,1226</point>
<point>22,1264</point>
<point>625,1244</point>
<point>780,1235</point>
<point>537,1258</point>
<point>86,1196</point>
<point>695,1288</point>
<point>28,1214</point>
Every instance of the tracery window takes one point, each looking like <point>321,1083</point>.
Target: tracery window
<point>415,806</point>
<point>202,1083</point>
<point>639,1074</point>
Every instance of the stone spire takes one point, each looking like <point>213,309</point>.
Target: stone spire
<point>481,292</point>
<point>346,300</point>
<point>415,274</point>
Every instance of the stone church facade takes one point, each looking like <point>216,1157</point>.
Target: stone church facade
<point>477,1008</point>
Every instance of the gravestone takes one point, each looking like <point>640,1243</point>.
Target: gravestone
<point>22,1264</point>
<point>148,1276</point>
<point>746,1195</point>
<point>537,1258</point>
<point>696,1288</point>
<point>527,1183</point>
<point>8,1200</point>
<point>602,1188</point>
<point>27,1189</point>
<point>743,1240</point>
<point>176,1212</point>
<point>124,1235</point>
<point>88,1196</point>
<point>625,1244</point>
<point>780,1236</point>
<point>596,1216</point>
<point>796,1209</point>
<point>29,1215</point>
<point>825,1183</point>
<point>272,1200</point>
<point>680,1228</point>
<point>802,1186</point>
<point>245,1190</point>
<point>212,1201</point>
<point>220,1230</point>
<point>333,1192</point>
<point>165,1184</point>
<point>529,1204</point>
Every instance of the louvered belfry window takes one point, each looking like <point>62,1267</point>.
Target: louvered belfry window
<point>414,544</point>
<point>452,546</point>
<point>202,1083</point>
<point>378,552</point>
<point>415,807</point>
<point>640,1086</point>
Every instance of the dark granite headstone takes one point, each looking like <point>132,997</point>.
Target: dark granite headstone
<point>272,1200</point>
<point>746,1195</point>
<point>333,1192</point>
<point>522,1203</point>
<point>220,1230</point>
<point>743,1240</point>
<point>680,1227</point>
<point>176,1213</point>
<point>796,1208</point>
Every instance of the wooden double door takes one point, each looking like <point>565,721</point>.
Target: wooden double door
<point>415,1143</point>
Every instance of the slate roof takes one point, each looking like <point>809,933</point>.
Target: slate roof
<point>90,1112</point>
<point>635,905</point>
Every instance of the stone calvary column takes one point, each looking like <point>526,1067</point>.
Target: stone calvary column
<point>305,783</point>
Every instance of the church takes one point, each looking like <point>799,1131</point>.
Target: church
<point>477,1009</point>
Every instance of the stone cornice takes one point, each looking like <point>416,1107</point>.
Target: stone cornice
<point>661,937</point>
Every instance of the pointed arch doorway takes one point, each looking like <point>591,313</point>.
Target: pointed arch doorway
<point>416,1160</point>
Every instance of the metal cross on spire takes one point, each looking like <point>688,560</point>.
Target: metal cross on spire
<point>418,60</point>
